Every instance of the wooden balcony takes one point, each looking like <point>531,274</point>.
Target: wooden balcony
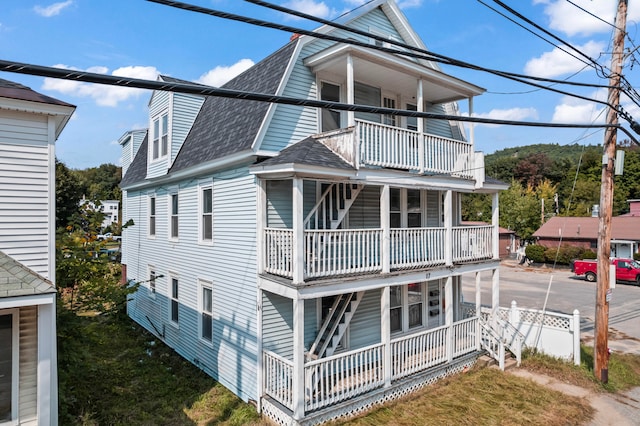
<point>340,252</point>
<point>370,144</point>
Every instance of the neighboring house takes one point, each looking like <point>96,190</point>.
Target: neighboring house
<point>634,208</point>
<point>311,260</point>
<point>30,123</point>
<point>583,232</point>
<point>110,209</point>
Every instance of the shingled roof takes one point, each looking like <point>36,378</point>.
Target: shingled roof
<point>308,152</point>
<point>622,228</point>
<point>18,280</point>
<point>12,90</point>
<point>137,170</point>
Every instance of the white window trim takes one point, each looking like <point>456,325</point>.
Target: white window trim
<point>173,276</point>
<point>15,364</point>
<point>343,95</point>
<point>172,193</point>
<point>404,207</point>
<point>158,117</point>
<point>151,283</point>
<point>203,187</point>
<point>405,329</point>
<point>202,283</point>
<point>155,216</point>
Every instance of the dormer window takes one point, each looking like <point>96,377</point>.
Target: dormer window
<point>160,145</point>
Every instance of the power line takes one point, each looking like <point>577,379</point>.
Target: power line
<point>429,56</point>
<point>589,13</point>
<point>199,89</point>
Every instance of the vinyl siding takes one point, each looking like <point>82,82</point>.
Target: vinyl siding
<point>24,189</point>
<point>125,158</point>
<point>160,101</point>
<point>365,211</point>
<point>28,365</point>
<point>438,127</point>
<point>279,205</point>
<point>184,112</point>
<point>364,329</point>
<point>230,264</point>
<point>277,324</point>
<point>434,208</point>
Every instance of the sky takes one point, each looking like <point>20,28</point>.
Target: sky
<point>137,38</point>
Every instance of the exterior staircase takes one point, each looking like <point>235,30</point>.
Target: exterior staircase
<point>502,341</point>
<point>335,324</point>
<point>333,206</point>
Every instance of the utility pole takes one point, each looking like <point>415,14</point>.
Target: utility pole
<point>601,350</point>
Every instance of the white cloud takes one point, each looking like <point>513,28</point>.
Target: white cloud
<point>310,7</point>
<point>406,4</point>
<point>575,110</point>
<point>221,74</point>
<point>512,114</point>
<point>558,62</point>
<point>103,95</point>
<point>52,10</point>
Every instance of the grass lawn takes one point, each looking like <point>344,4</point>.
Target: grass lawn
<point>113,372</point>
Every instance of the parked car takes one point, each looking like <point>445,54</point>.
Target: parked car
<point>626,269</point>
<point>109,236</point>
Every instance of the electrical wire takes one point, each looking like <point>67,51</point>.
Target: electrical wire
<point>200,89</point>
<point>589,13</point>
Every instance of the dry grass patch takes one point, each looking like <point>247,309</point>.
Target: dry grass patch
<point>482,396</point>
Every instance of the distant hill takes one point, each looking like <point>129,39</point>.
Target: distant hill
<point>552,150</point>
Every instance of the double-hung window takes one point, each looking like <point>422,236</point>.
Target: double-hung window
<point>407,307</point>
<point>152,280</point>
<point>152,216</point>
<point>206,311</point>
<point>174,215</point>
<point>206,215</point>
<point>174,299</point>
<point>160,142</point>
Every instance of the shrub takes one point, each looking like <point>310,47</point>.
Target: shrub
<point>589,254</point>
<point>636,256</point>
<point>565,254</point>
<point>535,252</point>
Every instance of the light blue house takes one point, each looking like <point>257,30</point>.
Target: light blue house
<point>308,259</point>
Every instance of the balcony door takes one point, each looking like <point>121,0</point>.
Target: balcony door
<point>330,118</point>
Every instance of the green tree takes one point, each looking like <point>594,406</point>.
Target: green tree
<point>68,194</point>
<point>519,210</point>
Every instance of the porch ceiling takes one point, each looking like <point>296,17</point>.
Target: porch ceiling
<point>391,72</point>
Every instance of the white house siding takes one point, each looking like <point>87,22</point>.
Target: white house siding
<point>24,184</point>
<point>126,158</point>
<point>277,324</point>
<point>230,264</point>
<point>279,206</point>
<point>160,102</point>
<point>28,365</point>
<point>184,112</point>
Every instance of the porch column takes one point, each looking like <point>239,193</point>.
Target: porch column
<point>495,292</point>
<point>448,315</point>
<point>47,380</point>
<point>351,115</point>
<point>259,373</point>
<point>478,309</point>
<point>385,334</point>
<point>448,224</point>
<point>420,123</point>
<point>262,223</point>
<point>298,232</point>
<point>385,249</point>
<point>495,222</point>
<point>298,359</point>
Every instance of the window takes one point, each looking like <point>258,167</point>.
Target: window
<point>414,299</point>
<point>412,122</point>
<point>174,300</point>
<point>152,280</point>
<point>206,218</point>
<point>160,143</point>
<point>388,119</point>
<point>206,311</point>
<point>395,308</point>
<point>174,215</point>
<point>407,307</point>
<point>330,118</point>
<point>152,216</point>
<point>405,208</point>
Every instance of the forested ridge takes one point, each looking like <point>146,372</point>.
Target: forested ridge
<point>536,173</point>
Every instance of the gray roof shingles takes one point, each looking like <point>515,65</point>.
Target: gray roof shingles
<point>18,280</point>
<point>310,152</point>
<point>224,126</point>
<point>12,90</point>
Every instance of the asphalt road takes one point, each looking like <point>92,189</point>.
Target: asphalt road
<point>528,287</point>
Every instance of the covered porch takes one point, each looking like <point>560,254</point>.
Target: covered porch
<point>392,339</point>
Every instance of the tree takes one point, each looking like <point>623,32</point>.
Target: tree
<point>68,194</point>
<point>519,210</point>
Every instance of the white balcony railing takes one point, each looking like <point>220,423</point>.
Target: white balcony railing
<point>330,253</point>
<point>471,243</point>
<point>337,378</point>
<point>393,147</point>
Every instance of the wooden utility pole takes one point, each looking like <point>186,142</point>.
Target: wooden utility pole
<point>601,351</point>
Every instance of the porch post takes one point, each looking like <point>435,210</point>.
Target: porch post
<point>495,222</point>
<point>448,224</point>
<point>471,125</point>
<point>351,116</point>
<point>298,232</point>
<point>420,122</point>
<point>259,375</point>
<point>261,198</point>
<point>385,334</point>
<point>448,315</point>
<point>298,359</point>
<point>495,293</point>
<point>385,249</point>
<point>478,309</point>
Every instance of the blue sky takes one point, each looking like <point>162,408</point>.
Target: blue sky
<point>141,39</point>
